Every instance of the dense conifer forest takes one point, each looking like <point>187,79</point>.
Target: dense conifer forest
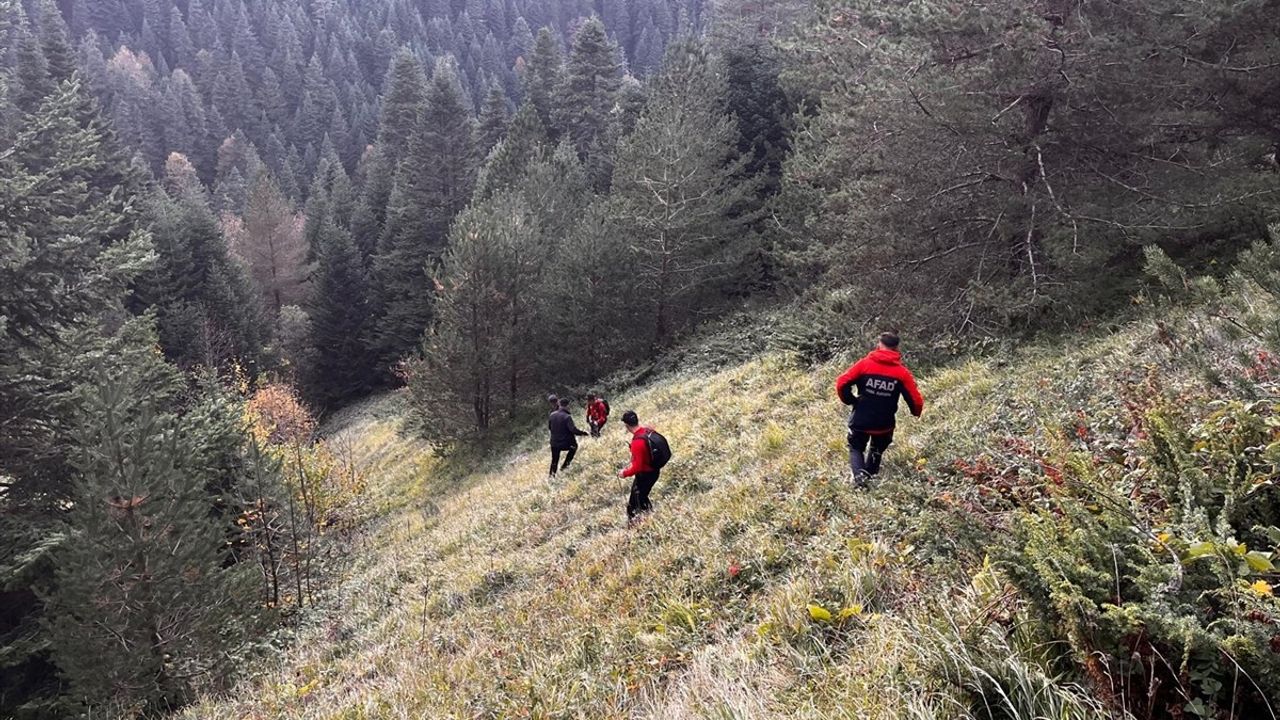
<point>227,227</point>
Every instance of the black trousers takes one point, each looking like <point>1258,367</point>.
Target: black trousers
<point>568,458</point>
<point>641,484</point>
<point>860,461</point>
<point>595,429</point>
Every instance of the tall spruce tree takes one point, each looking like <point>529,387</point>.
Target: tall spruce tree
<point>593,75</point>
<point>207,311</point>
<point>368,219</point>
<point>507,163</point>
<point>433,184</point>
<point>339,310</point>
<point>493,121</point>
<point>544,75</point>
<point>403,102</point>
<point>69,249</point>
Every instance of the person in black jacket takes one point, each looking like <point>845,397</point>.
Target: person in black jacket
<point>564,436</point>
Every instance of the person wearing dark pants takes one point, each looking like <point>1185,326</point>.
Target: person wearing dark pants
<point>569,452</point>
<point>597,414</point>
<point>638,501</point>
<point>564,436</point>
<point>641,471</point>
<point>880,379</point>
<point>861,463</point>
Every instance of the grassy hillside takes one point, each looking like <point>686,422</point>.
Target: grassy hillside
<point>963,585</point>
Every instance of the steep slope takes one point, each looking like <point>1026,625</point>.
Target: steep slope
<point>764,585</point>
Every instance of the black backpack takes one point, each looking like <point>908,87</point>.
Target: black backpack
<point>659,449</point>
<point>606,407</point>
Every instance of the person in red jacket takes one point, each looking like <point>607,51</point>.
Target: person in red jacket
<point>880,379</point>
<point>641,470</point>
<point>597,414</point>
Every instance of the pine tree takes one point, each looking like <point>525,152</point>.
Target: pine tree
<point>557,186</point>
<point>68,252</point>
<point>591,301</point>
<point>477,356</point>
<point>593,76</point>
<point>676,187</point>
<point>134,616</point>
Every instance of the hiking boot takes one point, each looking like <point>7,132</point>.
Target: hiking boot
<point>861,479</point>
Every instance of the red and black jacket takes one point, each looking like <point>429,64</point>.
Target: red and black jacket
<point>640,462</point>
<point>596,413</point>
<point>880,379</point>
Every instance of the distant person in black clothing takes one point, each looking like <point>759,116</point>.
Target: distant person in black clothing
<point>564,436</point>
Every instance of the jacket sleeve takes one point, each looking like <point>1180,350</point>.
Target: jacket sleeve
<point>573,427</point>
<point>844,384</point>
<point>915,401</point>
<point>637,456</point>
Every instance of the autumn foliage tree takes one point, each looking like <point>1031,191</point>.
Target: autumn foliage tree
<point>269,238</point>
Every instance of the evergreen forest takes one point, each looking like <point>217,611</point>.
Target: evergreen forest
<point>285,286</point>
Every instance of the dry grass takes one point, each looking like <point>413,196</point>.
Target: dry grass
<point>497,595</point>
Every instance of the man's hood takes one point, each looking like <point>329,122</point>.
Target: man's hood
<point>885,357</point>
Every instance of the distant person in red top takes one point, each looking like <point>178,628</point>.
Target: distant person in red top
<point>597,414</point>
<point>880,379</point>
<point>641,470</point>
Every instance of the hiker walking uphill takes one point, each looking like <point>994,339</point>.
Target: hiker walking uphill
<point>880,379</point>
<point>564,436</point>
<point>597,414</point>
<point>649,454</point>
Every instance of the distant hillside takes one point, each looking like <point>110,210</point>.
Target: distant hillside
<point>1071,530</point>
<point>292,76</point>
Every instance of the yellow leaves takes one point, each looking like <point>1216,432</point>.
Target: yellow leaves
<point>820,614</point>
<point>1259,562</point>
<point>307,689</point>
<point>859,549</point>
<point>1262,588</point>
<point>854,610</point>
<point>1199,550</point>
